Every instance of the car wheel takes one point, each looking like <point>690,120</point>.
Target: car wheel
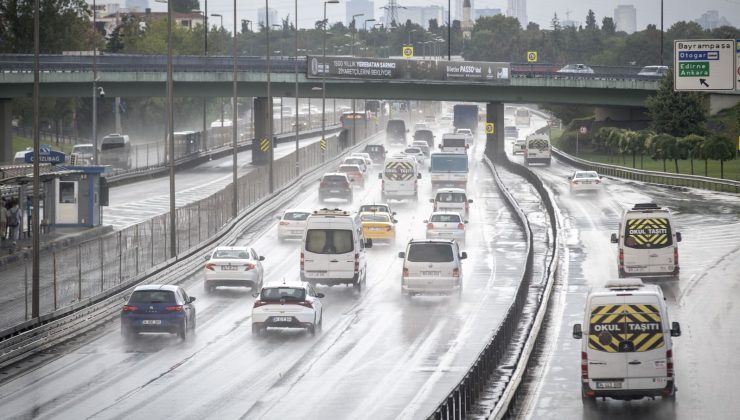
<point>127,333</point>
<point>358,286</point>
<point>256,330</point>
<point>311,329</point>
<point>192,324</point>
<point>321,321</point>
<point>207,287</point>
<point>183,333</point>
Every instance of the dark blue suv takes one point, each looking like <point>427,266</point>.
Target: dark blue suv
<point>159,309</point>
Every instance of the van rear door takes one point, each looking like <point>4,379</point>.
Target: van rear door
<point>647,365</point>
<point>648,246</point>
<point>607,365</point>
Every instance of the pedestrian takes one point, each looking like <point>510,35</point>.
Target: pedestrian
<point>3,219</point>
<point>15,216</point>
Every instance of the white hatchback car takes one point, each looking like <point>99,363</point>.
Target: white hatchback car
<point>585,181</point>
<point>432,266</point>
<point>423,146</point>
<point>451,199</point>
<point>356,160</point>
<point>519,146</point>
<point>416,152</point>
<point>446,225</point>
<point>292,223</point>
<point>468,135</point>
<point>368,160</point>
<point>293,304</point>
<point>233,266</point>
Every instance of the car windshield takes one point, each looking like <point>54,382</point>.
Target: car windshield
<point>381,217</point>
<point>445,218</point>
<point>152,296</point>
<point>296,215</point>
<point>453,142</point>
<point>423,135</point>
<point>580,175</point>
<point>275,294</point>
<point>349,168</point>
<point>110,144</point>
<point>450,197</point>
<point>374,148</point>
<point>449,163</point>
<point>373,207</point>
<point>335,178</point>
<point>355,161</point>
<point>430,252</point>
<point>230,254</point>
<point>647,233</point>
<point>412,151</point>
<point>329,241</point>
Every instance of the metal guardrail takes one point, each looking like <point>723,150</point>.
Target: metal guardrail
<point>93,311</point>
<point>655,177</point>
<point>460,400</point>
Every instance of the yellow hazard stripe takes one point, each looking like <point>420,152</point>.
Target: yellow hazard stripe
<point>656,341</point>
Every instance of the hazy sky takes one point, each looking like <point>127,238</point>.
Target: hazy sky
<point>540,11</point>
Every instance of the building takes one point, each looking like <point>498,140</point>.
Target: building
<point>457,12</point>
<point>273,16</point>
<point>518,9</point>
<point>422,15</point>
<point>467,20</point>
<point>479,13</point>
<point>136,5</point>
<point>625,18</point>
<point>355,7</point>
<point>712,20</point>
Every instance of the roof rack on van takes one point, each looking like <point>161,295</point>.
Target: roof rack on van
<point>335,211</point>
<point>630,283</point>
<point>645,206</point>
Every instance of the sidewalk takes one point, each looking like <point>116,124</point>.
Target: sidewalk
<point>53,240</point>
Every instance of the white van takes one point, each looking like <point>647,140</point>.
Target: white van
<point>626,347</point>
<point>537,149</point>
<point>454,143</point>
<point>432,266</point>
<point>451,199</point>
<point>648,243</point>
<point>115,150</point>
<point>400,178</point>
<point>333,250</point>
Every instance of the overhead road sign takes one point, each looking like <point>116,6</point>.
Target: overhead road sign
<point>704,64</point>
<point>531,56</point>
<point>400,69</point>
<point>408,51</point>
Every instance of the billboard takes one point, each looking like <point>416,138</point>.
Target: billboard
<point>404,69</point>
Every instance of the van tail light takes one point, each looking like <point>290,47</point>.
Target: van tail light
<point>211,266</point>
<point>388,228</point>
<point>675,257</point>
<point>405,272</point>
<point>130,308</point>
<point>435,206</point>
<point>258,303</point>
<point>430,225</point>
<point>467,206</point>
<point>455,272</point>
<point>357,263</point>
<point>302,259</point>
<point>249,266</point>
<point>461,225</point>
<point>669,363</point>
<point>175,308</point>
<point>584,365</point>
<point>621,258</point>
<point>306,303</point>
<point>284,223</point>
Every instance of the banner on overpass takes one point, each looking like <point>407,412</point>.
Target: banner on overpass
<point>400,69</point>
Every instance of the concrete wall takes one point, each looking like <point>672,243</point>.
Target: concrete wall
<point>718,102</point>
<point>6,131</point>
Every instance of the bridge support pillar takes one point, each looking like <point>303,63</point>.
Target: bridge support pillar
<point>6,131</point>
<point>260,147</point>
<point>495,140</point>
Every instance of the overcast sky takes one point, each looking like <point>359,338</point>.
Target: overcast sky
<point>540,11</point>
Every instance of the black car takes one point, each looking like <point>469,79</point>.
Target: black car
<point>425,135</point>
<point>395,132</point>
<point>335,185</point>
<point>376,151</point>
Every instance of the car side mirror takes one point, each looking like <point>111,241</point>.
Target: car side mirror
<point>470,200</point>
<point>368,243</point>
<point>319,295</point>
<point>431,200</point>
<point>675,329</point>
<point>577,333</point>
<point>464,255</point>
<point>678,236</point>
<point>395,221</point>
<point>439,145</point>
<point>380,176</point>
<point>401,254</point>
<point>393,214</point>
<point>614,238</point>
<point>569,178</point>
<point>465,221</point>
<point>261,258</point>
<point>351,180</point>
<point>191,299</point>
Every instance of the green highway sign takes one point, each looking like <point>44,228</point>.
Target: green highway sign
<point>704,64</point>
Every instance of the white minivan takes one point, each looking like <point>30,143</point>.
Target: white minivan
<point>333,250</point>
<point>432,267</point>
<point>400,178</point>
<point>454,143</point>
<point>648,242</point>
<point>537,149</point>
<point>626,347</point>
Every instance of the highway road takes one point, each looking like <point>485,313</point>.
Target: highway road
<point>378,356</point>
<point>703,299</point>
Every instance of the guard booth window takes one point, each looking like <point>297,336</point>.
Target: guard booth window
<point>66,192</point>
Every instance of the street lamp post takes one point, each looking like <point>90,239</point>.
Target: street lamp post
<point>171,134</point>
<point>218,15</point>
<point>205,98</point>
<point>271,180</point>
<point>323,78</point>
<point>234,126</point>
<point>410,31</point>
<point>449,30</point>
<point>297,126</point>
<point>275,25</point>
<point>36,242</point>
<point>354,101</point>
<point>95,88</point>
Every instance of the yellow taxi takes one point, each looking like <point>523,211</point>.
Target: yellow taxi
<point>378,226</point>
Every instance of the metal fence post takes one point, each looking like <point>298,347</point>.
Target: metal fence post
<point>25,283</point>
<point>102,265</point>
<point>79,272</point>
<point>199,227</point>
<point>120,258</point>
<point>190,231</point>
<point>54,278</point>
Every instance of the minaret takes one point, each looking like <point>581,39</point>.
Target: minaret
<point>467,22</point>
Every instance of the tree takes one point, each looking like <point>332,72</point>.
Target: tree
<point>718,148</point>
<point>690,146</point>
<point>185,6</point>
<point>676,113</point>
<point>663,147</point>
<point>632,143</point>
<point>608,27</point>
<point>64,26</point>
<point>433,25</point>
<point>533,27</point>
<point>591,21</point>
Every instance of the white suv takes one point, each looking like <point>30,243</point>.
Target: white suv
<point>432,266</point>
<point>292,304</point>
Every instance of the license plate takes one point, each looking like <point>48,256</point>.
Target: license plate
<point>430,273</point>
<point>151,322</point>
<point>585,182</point>
<point>333,191</point>
<point>229,268</point>
<point>608,385</point>
<point>375,229</point>
<point>316,273</point>
<point>282,319</point>
<point>295,232</point>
